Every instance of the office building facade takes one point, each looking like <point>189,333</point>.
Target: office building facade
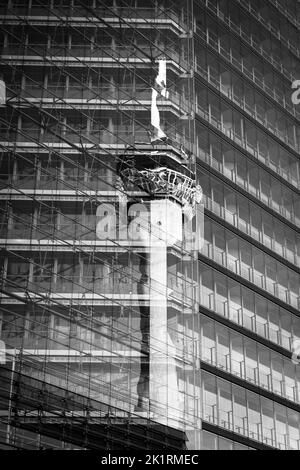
<point>149,224</point>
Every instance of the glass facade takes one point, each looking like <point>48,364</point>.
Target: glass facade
<point>248,413</point>
<point>228,298</point>
<point>247,144</point>
<point>119,309</point>
<point>248,359</point>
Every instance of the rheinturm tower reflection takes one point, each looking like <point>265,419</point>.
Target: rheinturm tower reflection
<point>149,224</point>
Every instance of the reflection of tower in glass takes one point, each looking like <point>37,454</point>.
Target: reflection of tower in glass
<point>171,192</point>
<point>172,199</point>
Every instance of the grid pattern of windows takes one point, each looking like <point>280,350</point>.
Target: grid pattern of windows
<point>249,360</point>
<point>249,414</point>
<point>79,85</point>
<point>247,143</point>
<point>241,305</point>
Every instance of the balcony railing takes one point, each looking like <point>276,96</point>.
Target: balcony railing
<point>274,93</point>
<point>241,425</point>
<point>242,142</point>
<point>265,330</point>
<point>250,39</point>
<point>275,33</point>
<point>286,13</point>
<point>145,15</point>
<point>251,111</point>
<point>121,281</point>
<point>251,374</point>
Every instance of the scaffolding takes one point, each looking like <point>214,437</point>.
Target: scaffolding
<point>86,94</point>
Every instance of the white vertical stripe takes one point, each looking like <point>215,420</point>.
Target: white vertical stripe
<point>2,92</point>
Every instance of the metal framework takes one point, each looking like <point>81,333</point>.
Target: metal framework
<point>78,297</point>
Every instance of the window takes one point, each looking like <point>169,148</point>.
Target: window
<point>61,333</point>
<point>17,273</point>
